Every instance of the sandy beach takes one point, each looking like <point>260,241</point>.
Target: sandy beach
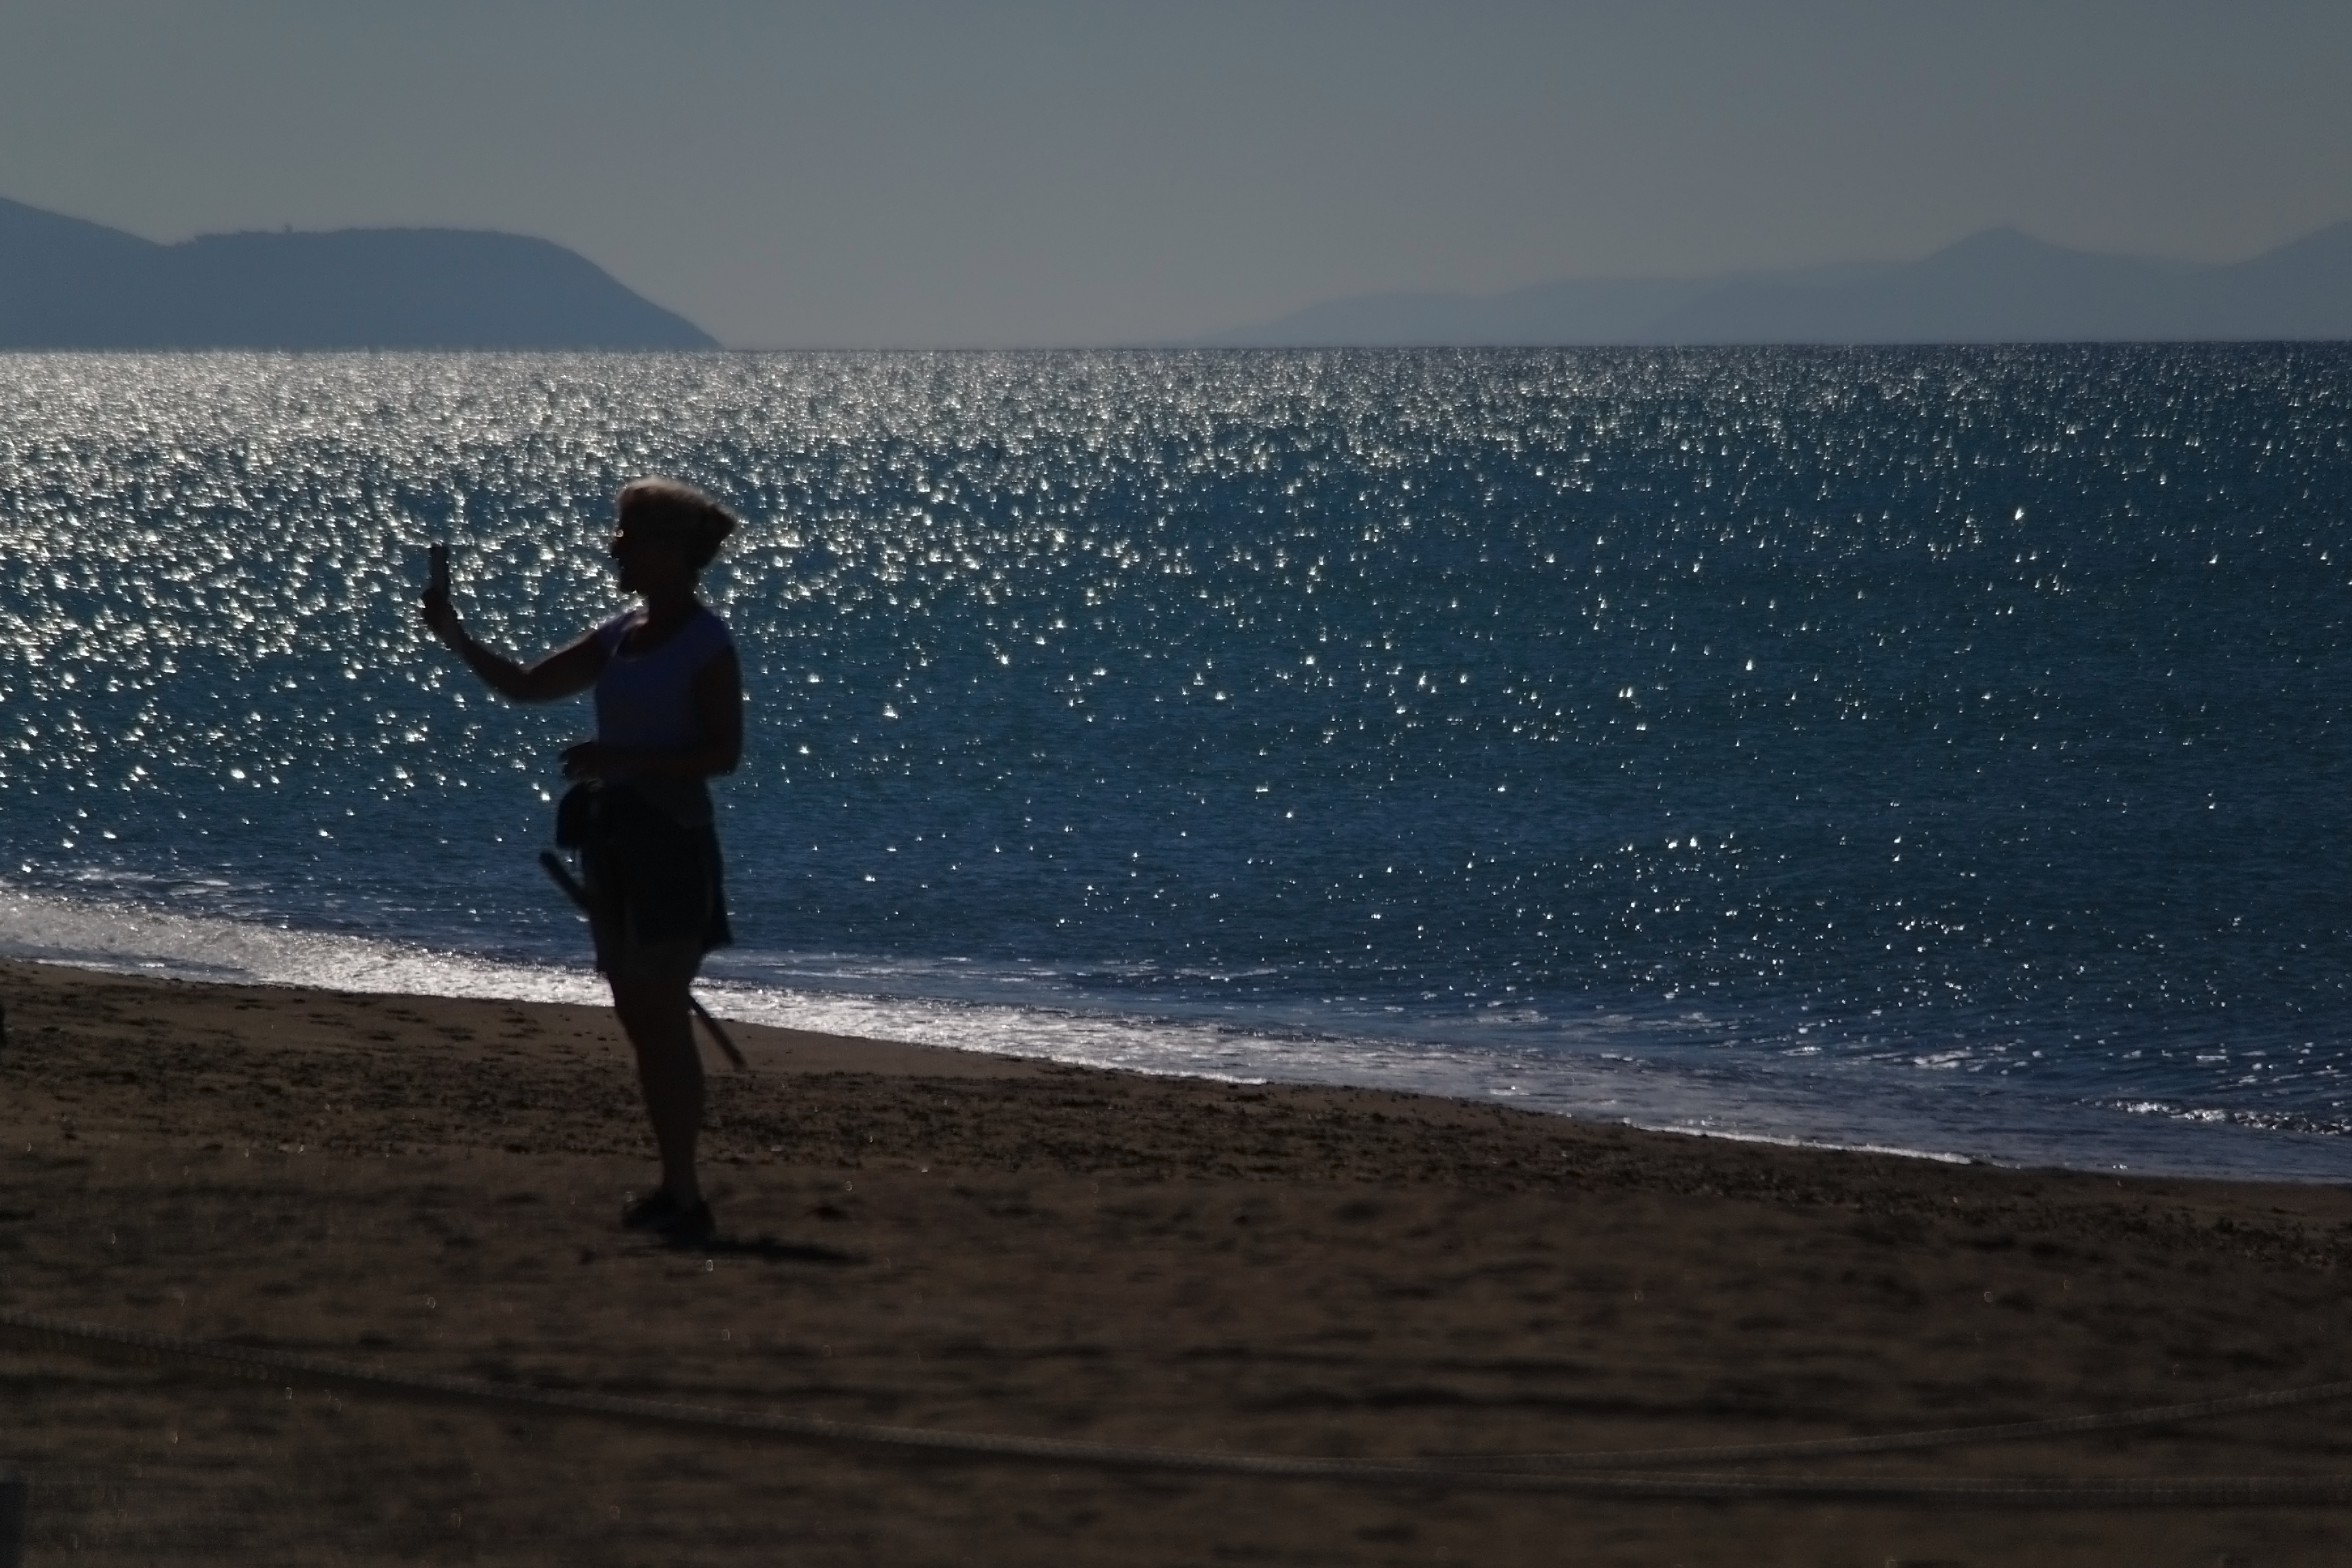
<point>985,1245</point>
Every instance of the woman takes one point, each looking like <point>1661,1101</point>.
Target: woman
<point>669,714</point>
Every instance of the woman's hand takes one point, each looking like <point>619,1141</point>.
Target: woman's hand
<point>587,760</point>
<point>441,616</point>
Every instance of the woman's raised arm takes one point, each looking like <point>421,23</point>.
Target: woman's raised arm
<point>560,674</point>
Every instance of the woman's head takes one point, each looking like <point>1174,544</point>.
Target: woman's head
<point>676,515</point>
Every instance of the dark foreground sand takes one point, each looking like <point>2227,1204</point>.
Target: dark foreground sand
<point>930,1238</point>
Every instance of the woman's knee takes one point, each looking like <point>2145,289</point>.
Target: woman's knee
<point>640,992</point>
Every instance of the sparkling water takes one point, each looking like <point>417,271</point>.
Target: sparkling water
<point>1937,749</point>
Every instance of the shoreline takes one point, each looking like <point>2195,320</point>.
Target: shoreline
<point>924,1237</point>
<point>1868,1109</point>
<point>799,1050</point>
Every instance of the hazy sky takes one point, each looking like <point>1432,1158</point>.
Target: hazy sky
<point>943,174</point>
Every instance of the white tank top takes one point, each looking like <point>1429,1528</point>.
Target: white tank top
<point>647,700</point>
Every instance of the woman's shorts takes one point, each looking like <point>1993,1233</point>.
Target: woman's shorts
<point>657,898</point>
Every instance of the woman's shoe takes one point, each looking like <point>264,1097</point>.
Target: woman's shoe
<point>651,1212</point>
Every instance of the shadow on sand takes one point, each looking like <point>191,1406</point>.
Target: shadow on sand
<point>767,1249</point>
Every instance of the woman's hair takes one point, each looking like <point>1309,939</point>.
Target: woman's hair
<point>679,512</point>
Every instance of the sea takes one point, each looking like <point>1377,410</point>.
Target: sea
<point>1935,749</point>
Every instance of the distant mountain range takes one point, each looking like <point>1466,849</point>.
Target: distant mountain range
<point>67,284</point>
<point>2000,286</point>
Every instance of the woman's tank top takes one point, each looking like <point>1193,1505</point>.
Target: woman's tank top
<point>647,700</point>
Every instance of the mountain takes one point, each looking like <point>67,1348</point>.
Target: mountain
<point>2000,286</point>
<point>67,284</point>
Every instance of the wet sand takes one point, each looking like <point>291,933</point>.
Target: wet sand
<point>938,1239</point>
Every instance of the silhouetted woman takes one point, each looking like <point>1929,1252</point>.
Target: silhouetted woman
<point>669,714</point>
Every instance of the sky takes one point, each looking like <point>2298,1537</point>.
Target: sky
<point>928,173</point>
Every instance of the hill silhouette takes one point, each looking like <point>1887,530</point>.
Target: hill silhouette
<point>1998,286</point>
<point>68,284</point>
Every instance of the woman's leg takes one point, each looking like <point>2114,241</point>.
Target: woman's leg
<point>649,993</point>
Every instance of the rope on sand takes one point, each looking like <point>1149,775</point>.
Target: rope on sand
<point>1586,1474</point>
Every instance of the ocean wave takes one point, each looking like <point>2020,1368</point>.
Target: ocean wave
<point>1829,1106</point>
